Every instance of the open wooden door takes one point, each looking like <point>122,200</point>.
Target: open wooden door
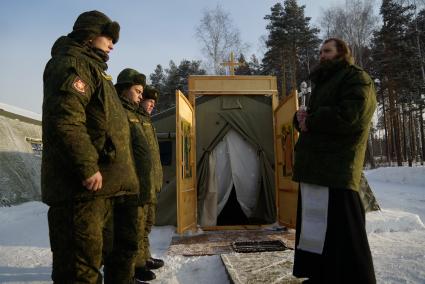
<point>284,140</point>
<point>185,164</point>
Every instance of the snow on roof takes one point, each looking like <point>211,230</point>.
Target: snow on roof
<point>20,111</point>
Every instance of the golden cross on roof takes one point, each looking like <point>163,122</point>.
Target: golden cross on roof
<point>231,63</point>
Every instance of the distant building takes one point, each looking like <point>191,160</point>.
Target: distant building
<point>20,155</point>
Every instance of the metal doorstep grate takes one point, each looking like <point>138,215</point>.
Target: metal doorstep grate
<point>259,246</point>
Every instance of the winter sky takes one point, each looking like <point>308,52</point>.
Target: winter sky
<point>152,32</point>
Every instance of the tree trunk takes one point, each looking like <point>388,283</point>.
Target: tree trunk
<point>394,117</point>
<point>283,72</point>
<point>294,68</point>
<point>391,140</point>
<point>408,138</point>
<point>421,125</point>
<point>412,137</point>
<point>369,154</point>
<point>403,132</point>
<point>387,142</point>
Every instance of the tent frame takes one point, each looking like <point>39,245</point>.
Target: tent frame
<point>200,85</point>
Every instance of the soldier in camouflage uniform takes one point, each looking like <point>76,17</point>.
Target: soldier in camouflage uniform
<point>129,86</point>
<point>151,184</point>
<point>87,151</point>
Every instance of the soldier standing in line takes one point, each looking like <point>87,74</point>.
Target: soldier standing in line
<point>130,87</point>
<point>86,140</point>
<point>151,184</point>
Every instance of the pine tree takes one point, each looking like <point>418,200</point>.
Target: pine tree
<point>291,45</point>
<point>185,69</point>
<point>420,99</point>
<point>393,63</point>
<point>172,79</point>
<point>273,62</point>
<point>157,78</point>
<point>243,68</point>
<point>254,65</point>
<point>171,84</point>
<point>157,81</point>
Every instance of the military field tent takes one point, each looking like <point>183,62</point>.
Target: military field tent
<point>20,155</point>
<point>235,158</point>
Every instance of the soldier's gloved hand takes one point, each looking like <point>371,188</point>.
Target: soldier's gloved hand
<point>93,183</point>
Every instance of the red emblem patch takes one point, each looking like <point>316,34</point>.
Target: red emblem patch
<point>79,85</point>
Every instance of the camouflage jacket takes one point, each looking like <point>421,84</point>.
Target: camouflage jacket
<point>150,164</point>
<point>331,153</point>
<point>85,128</point>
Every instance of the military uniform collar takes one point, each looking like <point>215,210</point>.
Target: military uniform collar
<point>127,104</point>
<point>142,111</point>
<point>67,46</point>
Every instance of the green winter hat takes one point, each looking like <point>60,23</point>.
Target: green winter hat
<point>151,93</point>
<point>131,77</point>
<point>94,23</point>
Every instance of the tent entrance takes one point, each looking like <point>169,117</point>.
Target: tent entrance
<point>276,195</point>
<point>232,213</point>
<point>233,182</point>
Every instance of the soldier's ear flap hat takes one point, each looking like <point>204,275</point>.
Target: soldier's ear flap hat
<point>94,23</point>
<point>151,93</point>
<point>131,77</point>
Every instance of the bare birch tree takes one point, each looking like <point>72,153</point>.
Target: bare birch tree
<point>354,22</point>
<point>218,37</point>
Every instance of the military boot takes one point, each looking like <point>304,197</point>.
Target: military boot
<point>143,274</point>
<point>154,263</point>
<point>137,281</point>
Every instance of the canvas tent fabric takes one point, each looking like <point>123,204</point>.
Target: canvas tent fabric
<point>20,156</point>
<point>248,116</point>
<point>246,126</point>
<point>228,170</point>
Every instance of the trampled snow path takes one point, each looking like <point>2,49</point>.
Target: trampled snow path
<point>396,235</point>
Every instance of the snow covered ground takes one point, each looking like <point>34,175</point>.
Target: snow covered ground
<point>396,236</point>
<point>397,233</point>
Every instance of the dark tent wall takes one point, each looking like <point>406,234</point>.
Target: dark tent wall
<point>165,124</point>
<point>250,116</point>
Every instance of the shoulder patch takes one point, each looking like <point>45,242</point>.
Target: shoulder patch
<point>106,76</point>
<point>79,85</point>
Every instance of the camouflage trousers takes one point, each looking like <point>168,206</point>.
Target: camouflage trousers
<point>76,240</point>
<point>147,220</point>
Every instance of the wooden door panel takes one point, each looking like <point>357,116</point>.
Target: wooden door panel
<point>284,140</point>
<point>185,164</point>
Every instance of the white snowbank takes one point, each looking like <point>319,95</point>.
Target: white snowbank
<point>24,225</point>
<point>392,221</point>
<point>399,188</point>
<point>396,234</point>
<point>398,257</point>
<point>414,176</point>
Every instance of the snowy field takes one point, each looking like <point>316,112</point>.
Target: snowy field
<point>396,236</point>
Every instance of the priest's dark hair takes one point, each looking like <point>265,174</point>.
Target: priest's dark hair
<point>344,51</point>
